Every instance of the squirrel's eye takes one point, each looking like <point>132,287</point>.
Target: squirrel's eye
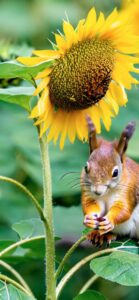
<point>87,167</point>
<point>115,172</point>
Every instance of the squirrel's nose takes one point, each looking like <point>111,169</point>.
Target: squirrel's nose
<point>98,190</point>
<point>97,193</point>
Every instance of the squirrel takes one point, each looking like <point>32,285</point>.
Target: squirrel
<point>110,188</point>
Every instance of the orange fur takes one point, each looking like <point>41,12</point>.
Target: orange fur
<point>90,206</point>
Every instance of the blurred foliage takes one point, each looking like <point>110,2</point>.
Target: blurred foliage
<point>33,21</point>
<point>89,295</point>
<point>28,24</point>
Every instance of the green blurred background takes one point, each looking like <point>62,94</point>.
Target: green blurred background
<point>28,24</point>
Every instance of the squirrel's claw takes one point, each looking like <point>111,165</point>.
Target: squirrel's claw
<point>93,236</point>
<point>98,240</point>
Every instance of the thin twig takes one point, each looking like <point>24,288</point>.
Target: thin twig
<point>88,283</point>
<point>68,254</point>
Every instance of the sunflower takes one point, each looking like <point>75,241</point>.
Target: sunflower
<point>90,70</point>
<point>131,10</point>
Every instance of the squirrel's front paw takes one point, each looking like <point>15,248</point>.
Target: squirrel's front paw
<point>105,225</point>
<point>91,221</point>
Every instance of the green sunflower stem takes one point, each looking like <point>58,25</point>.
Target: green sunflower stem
<point>48,213</point>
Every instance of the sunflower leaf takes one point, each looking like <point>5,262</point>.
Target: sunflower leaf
<point>8,291</point>
<point>121,267</point>
<point>17,95</point>
<point>13,69</point>
<point>29,228</point>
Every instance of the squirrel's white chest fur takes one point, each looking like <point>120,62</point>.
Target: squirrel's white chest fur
<point>131,226</point>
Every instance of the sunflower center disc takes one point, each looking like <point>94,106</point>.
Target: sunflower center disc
<point>82,76</point>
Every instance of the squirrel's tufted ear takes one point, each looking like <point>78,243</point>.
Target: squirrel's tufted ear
<point>93,144</point>
<point>125,137</point>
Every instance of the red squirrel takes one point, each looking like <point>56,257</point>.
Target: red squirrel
<point>110,188</point>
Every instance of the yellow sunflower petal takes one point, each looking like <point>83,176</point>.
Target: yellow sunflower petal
<point>95,114</point>
<point>43,128</point>
<point>130,45</point>
<point>64,121</point>
<point>110,21</point>
<point>40,108</point>
<point>70,34</point>
<point>127,80</point>
<point>61,43</point>
<point>56,126</point>
<point>52,120</point>
<point>47,54</point>
<point>30,61</point>
<point>112,102</point>
<point>42,104</point>
<point>100,22</point>
<point>90,23</point>
<point>71,128</point>
<point>46,123</point>
<point>81,128</point>
<point>118,93</point>
<point>128,62</point>
<point>48,115</point>
<point>80,30</point>
<point>44,73</point>
<point>55,135</point>
<point>34,112</point>
<point>112,18</point>
<point>43,84</point>
<point>106,114</point>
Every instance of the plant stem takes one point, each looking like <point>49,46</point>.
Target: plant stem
<point>19,286</point>
<point>17,275</point>
<point>68,254</point>
<point>19,243</point>
<point>76,267</point>
<point>88,283</point>
<point>27,192</point>
<point>48,213</point>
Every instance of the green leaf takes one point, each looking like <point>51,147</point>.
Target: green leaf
<point>17,95</point>
<point>90,295</point>
<point>126,245</point>
<point>13,69</point>
<point>35,249</point>
<point>5,243</point>
<point>120,267</point>
<point>8,291</point>
<point>29,228</point>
